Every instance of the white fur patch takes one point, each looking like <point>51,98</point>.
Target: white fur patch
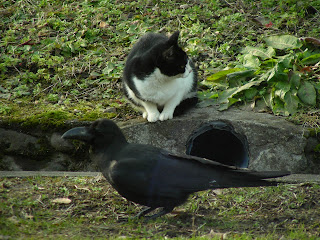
<point>160,90</point>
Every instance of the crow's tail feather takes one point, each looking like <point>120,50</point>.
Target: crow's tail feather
<point>270,174</point>
<point>246,178</point>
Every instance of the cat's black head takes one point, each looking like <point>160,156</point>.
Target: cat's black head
<point>172,59</point>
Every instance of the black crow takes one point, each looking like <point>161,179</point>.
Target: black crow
<point>154,177</point>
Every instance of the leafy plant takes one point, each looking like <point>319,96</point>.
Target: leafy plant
<point>283,74</point>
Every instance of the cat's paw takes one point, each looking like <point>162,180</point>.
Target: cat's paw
<point>153,117</point>
<point>145,115</point>
<point>165,115</point>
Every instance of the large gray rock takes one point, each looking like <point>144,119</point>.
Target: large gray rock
<point>18,143</point>
<point>274,143</point>
<point>60,144</point>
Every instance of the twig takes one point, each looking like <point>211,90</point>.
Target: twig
<point>28,42</point>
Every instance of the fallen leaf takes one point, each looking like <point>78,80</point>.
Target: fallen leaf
<point>79,188</point>
<point>268,25</point>
<point>312,40</point>
<point>213,234</point>
<point>62,200</point>
<point>306,69</point>
<point>103,24</point>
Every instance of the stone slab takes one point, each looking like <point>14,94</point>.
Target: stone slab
<point>47,174</point>
<point>293,178</point>
<point>274,143</point>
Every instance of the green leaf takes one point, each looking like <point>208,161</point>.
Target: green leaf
<point>226,95</point>
<point>233,101</point>
<point>278,106</point>
<point>268,99</point>
<point>223,106</point>
<point>251,61</point>
<point>109,68</point>
<point>240,74</point>
<point>291,102</point>
<point>295,80</point>
<point>269,63</point>
<point>250,93</point>
<point>283,42</point>
<point>285,86</point>
<point>277,76</point>
<point>285,61</point>
<point>222,74</point>
<point>282,89</point>
<point>313,59</point>
<point>307,93</point>
<point>207,95</point>
<point>249,85</point>
<point>260,52</point>
<point>132,29</point>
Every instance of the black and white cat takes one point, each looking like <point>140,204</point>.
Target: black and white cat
<point>159,76</point>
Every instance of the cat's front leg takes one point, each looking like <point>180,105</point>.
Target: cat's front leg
<point>166,115</point>
<point>151,112</point>
<point>169,107</point>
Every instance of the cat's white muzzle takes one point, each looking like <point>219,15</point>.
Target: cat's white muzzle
<point>187,71</point>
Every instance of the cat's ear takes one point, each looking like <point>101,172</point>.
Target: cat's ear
<point>171,47</point>
<point>173,39</point>
<point>168,54</point>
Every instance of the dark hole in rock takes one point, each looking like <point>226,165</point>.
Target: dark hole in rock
<point>218,141</point>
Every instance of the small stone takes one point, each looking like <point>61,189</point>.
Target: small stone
<point>110,110</point>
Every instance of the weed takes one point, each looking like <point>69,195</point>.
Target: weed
<point>97,211</point>
<point>281,81</point>
<point>64,54</point>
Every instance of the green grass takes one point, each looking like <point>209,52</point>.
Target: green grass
<point>66,55</point>
<point>97,211</point>
<point>63,60</point>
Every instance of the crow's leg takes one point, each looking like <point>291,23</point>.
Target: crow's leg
<point>164,211</point>
<point>144,212</point>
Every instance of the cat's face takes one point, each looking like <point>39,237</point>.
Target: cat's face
<point>172,60</point>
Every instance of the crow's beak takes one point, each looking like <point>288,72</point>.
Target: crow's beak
<point>79,133</point>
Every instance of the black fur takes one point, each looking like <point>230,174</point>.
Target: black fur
<point>152,51</point>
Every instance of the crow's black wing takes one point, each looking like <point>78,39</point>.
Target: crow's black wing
<point>229,176</point>
<point>144,182</point>
<point>165,176</point>
<point>153,173</point>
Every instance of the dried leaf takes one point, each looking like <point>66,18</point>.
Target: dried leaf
<point>62,200</point>
<point>216,235</point>
<point>79,188</point>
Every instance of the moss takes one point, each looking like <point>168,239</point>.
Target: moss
<point>48,116</point>
<point>91,116</point>
<point>47,119</point>
<point>317,148</point>
<point>314,132</point>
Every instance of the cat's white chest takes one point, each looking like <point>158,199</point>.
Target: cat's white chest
<point>159,88</point>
